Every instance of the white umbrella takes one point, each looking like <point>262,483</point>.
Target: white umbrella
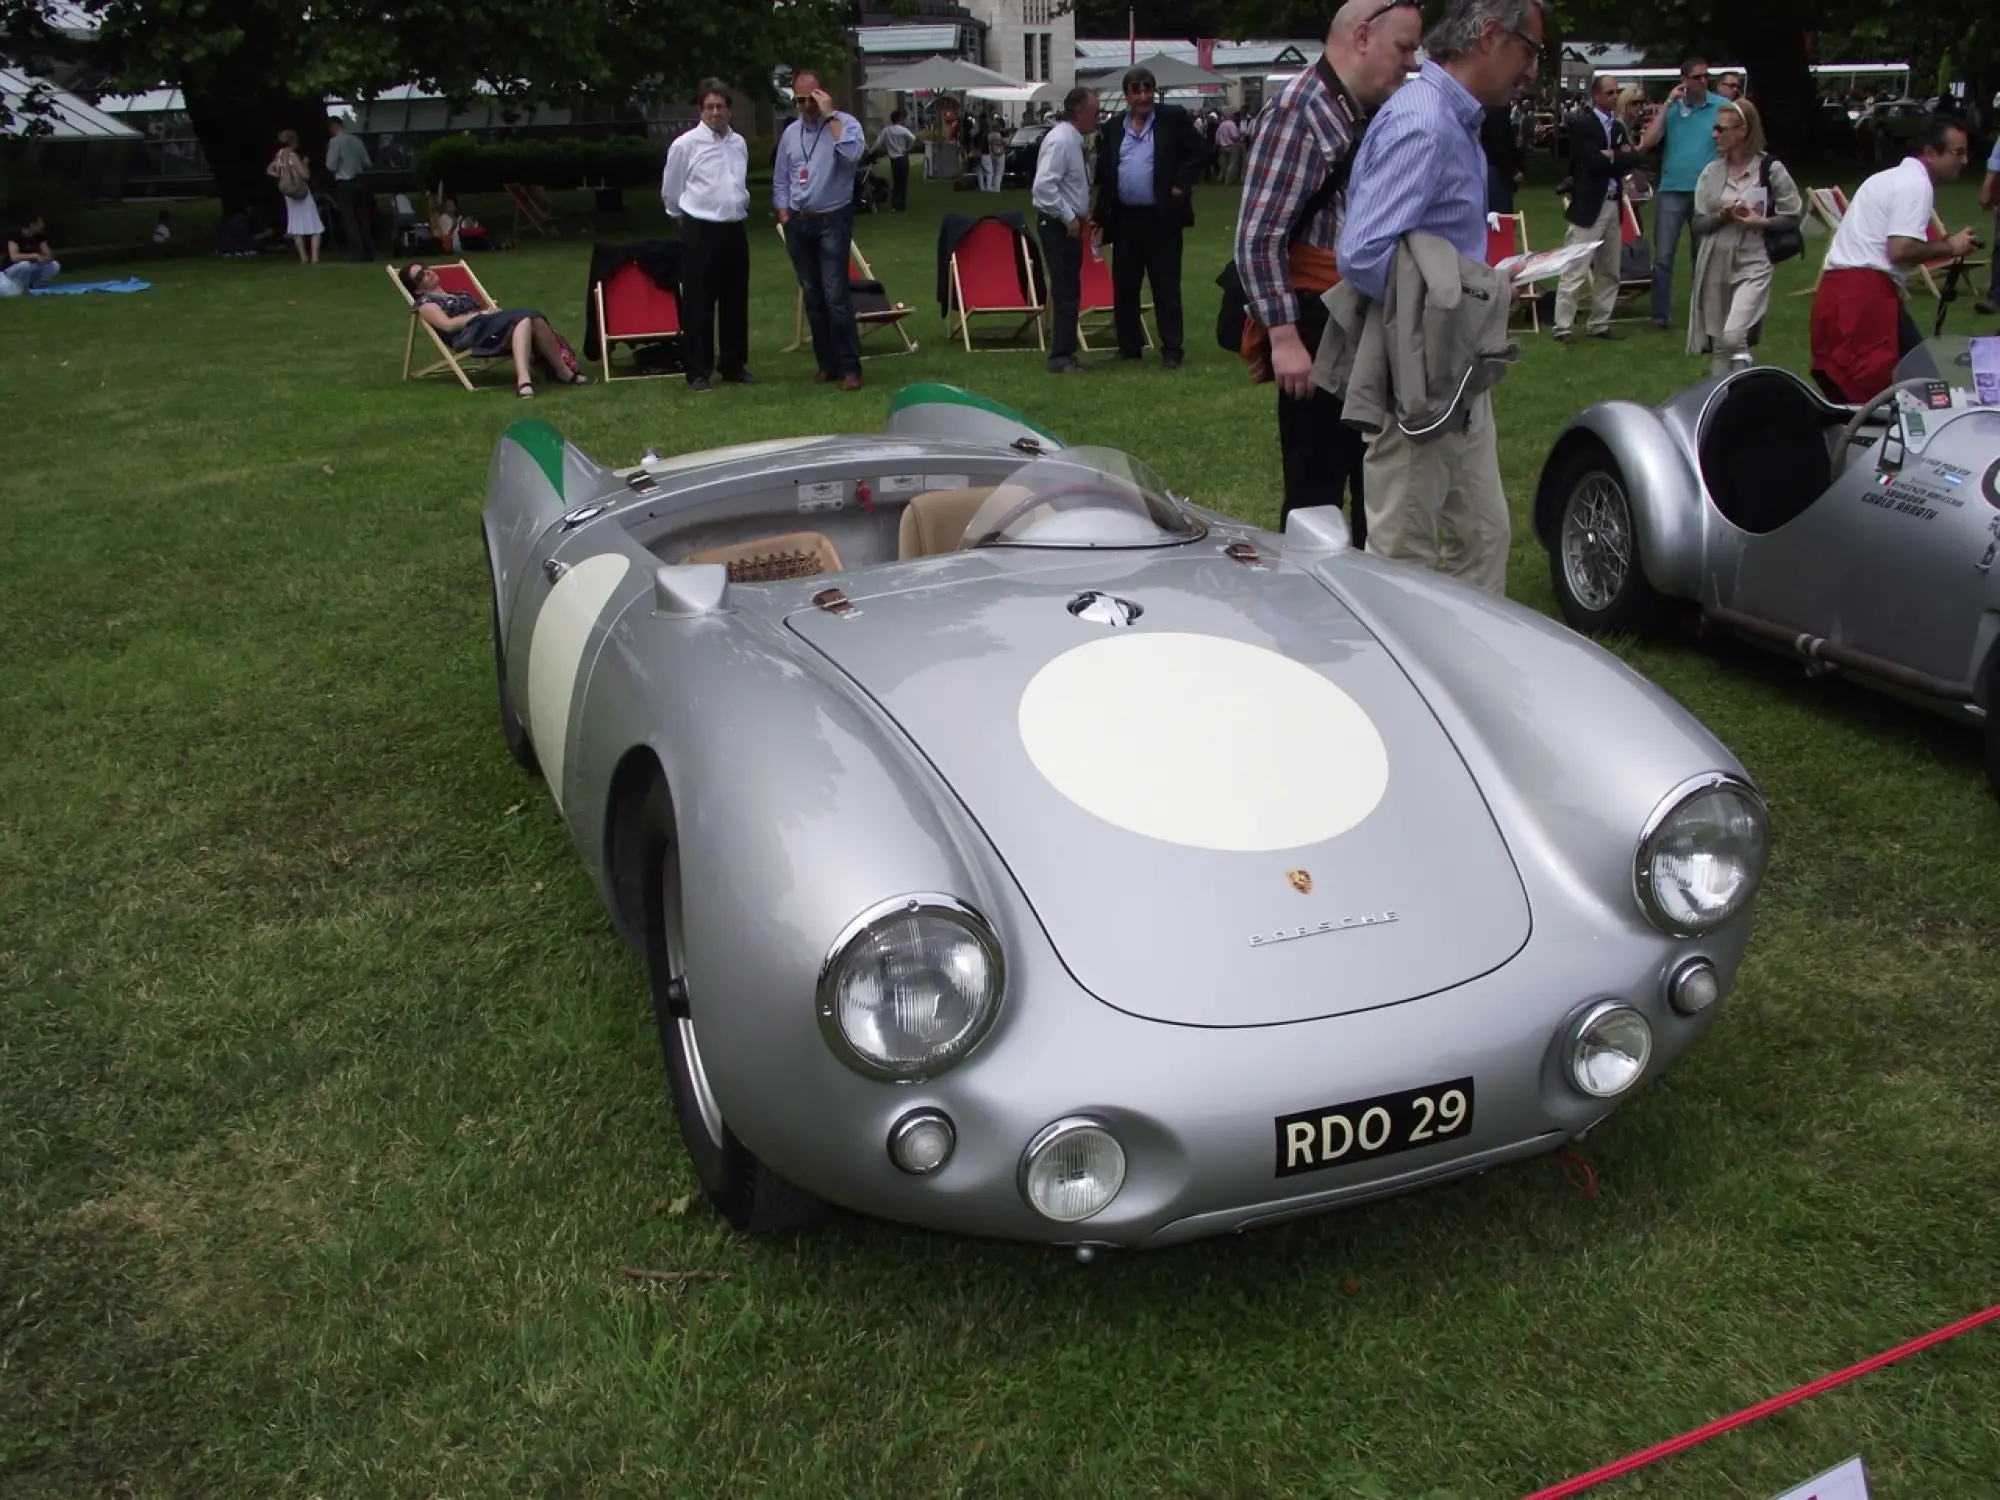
<point>1168,72</point>
<point>940,75</point>
<point>1027,93</point>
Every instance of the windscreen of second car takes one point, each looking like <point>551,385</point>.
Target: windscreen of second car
<point>1082,497</point>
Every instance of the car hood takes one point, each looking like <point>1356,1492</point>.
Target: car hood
<point>1235,810</point>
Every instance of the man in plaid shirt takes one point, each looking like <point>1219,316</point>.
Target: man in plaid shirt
<point>1305,136</point>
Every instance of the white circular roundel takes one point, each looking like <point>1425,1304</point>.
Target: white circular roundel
<point>1198,740</point>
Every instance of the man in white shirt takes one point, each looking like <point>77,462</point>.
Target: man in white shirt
<point>1229,145</point>
<point>347,159</point>
<point>707,187</point>
<point>1062,212</point>
<point>895,142</point>
<point>1860,328</point>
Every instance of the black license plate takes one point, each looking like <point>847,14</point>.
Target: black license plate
<point>1341,1134</point>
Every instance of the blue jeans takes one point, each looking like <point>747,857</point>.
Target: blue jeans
<point>29,274</point>
<point>1670,212</point>
<point>820,247</point>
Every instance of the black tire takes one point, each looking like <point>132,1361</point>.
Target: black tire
<point>1594,552</point>
<point>511,728</point>
<point>752,1197</point>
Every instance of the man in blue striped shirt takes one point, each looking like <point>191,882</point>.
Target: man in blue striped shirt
<point>1439,503</point>
<point>812,188</point>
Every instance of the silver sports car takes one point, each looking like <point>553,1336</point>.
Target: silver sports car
<point>1019,849</point>
<point>1863,539</point>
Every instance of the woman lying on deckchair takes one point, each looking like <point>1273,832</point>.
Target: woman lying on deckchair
<point>490,332</point>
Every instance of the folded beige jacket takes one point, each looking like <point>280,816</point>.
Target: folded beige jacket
<point>1419,357</point>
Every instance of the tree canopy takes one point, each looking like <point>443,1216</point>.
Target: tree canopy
<point>251,67</point>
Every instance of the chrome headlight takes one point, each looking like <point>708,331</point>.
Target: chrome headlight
<point>1702,855</point>
<point>910,987</point>
<point>1608,1049</point>
<point>1072,1169</point>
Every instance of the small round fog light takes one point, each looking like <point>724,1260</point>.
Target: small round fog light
<point>1072,1170</point>
<point>1609,1049</point>
<point>922,1141</point>
<point>1695,987</point>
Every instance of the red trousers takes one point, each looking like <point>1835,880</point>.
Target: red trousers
<point>1855,318</point>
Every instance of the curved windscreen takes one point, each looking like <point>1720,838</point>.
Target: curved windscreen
<point>1082,497</point>
<point>1947,358</point>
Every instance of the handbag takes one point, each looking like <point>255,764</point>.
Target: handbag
<point>292,181</point>
<point>1785,241</point>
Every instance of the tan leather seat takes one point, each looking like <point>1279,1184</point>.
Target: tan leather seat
<point>766,559</point>
<point>935,521</point>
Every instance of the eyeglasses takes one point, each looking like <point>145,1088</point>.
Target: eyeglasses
<point>1376,15</point>
<point>1532,43</point>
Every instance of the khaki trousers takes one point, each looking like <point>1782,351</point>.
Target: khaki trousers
<point>1440,504</point>
<point>1601,269</point>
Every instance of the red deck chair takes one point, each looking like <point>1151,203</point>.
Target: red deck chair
<point>989,268</point>
<point>874,311</point>
<point>456,276</point>
<point>531,207</point>
<point>634,309</point>
<point>1509,236</point>
<point>1095,310</point>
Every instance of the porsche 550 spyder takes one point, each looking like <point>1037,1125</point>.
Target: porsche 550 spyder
<point>1019,849</point>
<point>1861,538</point>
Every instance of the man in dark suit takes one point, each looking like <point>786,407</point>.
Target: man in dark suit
<point>1147,161</point>
<point>1600,154</point>
<point>1506,160</point>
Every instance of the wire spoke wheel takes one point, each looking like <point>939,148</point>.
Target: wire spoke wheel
<point>703,1095</point>
<point>1597,541</point>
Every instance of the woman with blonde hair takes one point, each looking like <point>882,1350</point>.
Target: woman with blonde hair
<point>1740,197</point>
<point>294,177</point>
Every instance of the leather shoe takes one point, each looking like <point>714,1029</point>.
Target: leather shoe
<point>699,383</point>
<point>850,381</point>
<point>1562,336</point>
<point>742,377</point>
<point>1612,334</point>
<point>820,377</point>
<point>1170,361</point>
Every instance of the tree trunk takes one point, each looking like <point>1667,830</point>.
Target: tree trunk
<point>237,120</point>
<point>1781,88</point>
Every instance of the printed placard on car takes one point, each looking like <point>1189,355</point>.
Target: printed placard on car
<point>826,494</point>
<point>900,484</point>
<point>1342,1134</point>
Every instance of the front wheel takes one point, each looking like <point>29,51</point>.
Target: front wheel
<point>1594,562</point>
<point>744,1191</point>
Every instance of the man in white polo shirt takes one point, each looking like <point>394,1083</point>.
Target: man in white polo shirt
<point>1859,326</point>
<point>706,186</point>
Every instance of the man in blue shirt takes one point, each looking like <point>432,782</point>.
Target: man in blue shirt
<point>1439,503</point>
<point>1147,161</point>
<point>812,188</point>
<point>1687,124</point>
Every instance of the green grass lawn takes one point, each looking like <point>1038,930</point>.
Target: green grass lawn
<point>331,1109</point>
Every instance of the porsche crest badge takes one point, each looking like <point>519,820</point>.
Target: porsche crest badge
<point>1301,880</point>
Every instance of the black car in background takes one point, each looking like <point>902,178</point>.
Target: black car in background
<point>1022,148</point>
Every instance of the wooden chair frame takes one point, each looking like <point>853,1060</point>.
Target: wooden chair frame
<point>605,340</point>
<point>1829,206</point>
<point>1527,295</point>
<point>1030,312</point>
<point>449,359</point>
<point>532,207</point>
<point>890,318</point>
<point>1103,316</point>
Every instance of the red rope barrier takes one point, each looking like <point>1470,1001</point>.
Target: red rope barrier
<point>1750,1414</point>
